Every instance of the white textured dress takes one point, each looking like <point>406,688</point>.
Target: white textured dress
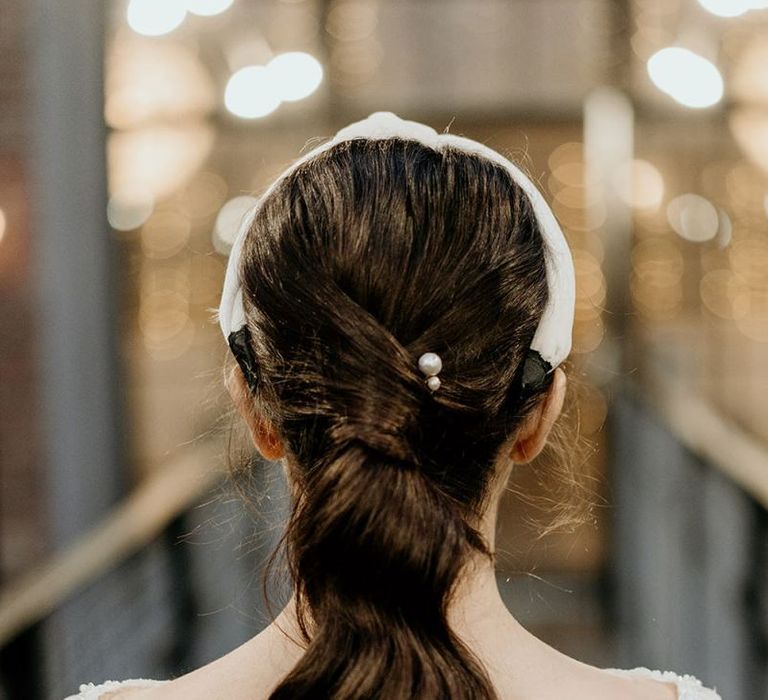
<point>688,687</point>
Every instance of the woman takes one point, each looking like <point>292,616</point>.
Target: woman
<point>399,304</point>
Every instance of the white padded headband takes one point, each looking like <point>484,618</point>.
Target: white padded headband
<point>552,340</point>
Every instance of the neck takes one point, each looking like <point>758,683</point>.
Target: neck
<point>476,613</point>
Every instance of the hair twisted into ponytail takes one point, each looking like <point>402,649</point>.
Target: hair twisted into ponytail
<point>361,260</point>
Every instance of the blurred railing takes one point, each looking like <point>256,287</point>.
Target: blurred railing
<point>690,533</point>
<point>139,519</point>
<point>706,432</point>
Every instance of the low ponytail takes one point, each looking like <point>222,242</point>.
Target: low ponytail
<point>358,262</point>
<point>377,550</point>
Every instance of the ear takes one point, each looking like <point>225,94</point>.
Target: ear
<point>264,436</point>
<point>533,433</point>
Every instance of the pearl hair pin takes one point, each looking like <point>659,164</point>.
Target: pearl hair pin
<point>431,364</point>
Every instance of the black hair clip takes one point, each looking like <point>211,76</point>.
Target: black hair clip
<point>537,372</point>
<point>240,345</point>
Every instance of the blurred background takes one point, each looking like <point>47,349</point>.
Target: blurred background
<point>133,136</point>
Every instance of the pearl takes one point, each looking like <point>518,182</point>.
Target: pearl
<point>430,363</point>
<point>433,383</point>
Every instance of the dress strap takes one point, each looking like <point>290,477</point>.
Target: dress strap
<point>93,691</point>
<point>688,687</point>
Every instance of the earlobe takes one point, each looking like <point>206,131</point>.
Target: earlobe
<point>533,434</point>
<point>264,436</point>
<point>267,441</point>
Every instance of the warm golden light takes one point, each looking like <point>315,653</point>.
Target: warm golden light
<point>565,154</point>
<point>724,294</point>
<point>749,259</point>
<point>203,195</point>
<point>655,282</point>
<point>588,335</point>
<point>593,409</point>
<point>748,79</point>
<point>229,220</point>
<point>749,126</point>
<point>693,217</point>
<point>162,158</point>
<point>354,63</point>
<point>165,324</point>
<point>129,207</point>
<point>165,234</point>
<point>149,81</point>
<point>352,20</point>
<point>639,184</point>
<point>590,285</point>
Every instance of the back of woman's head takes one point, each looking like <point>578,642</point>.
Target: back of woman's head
<point>358,262</point>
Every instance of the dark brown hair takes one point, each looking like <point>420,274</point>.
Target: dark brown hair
<point>360,260</point>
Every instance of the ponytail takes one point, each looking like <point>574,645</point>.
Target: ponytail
<point>376,550</point>
<point>361,260</point>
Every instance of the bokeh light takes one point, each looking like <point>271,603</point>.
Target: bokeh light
<point>228,222</point>
<point>165,324</point>
<point>685,76</point>
<point>203,195</point>
<point>639,184</point>
<point>162,158</point>
<point>129,207</point>
<point>656,279</point>
<point>693,217</point>
<point>149,81</point>
<point>295,75</point>
<point>749,127</point>
<point>565,154</point>
<point>590,286</point>
<point>165,234</point>
<point>724,229</point>
<point>352,20</point>
<point>749,259</point>
<point>747,77</point>
<point>207,271</point>
<point>155,17</point>
<point>593,409</point>
<point>251,93</point>
<point>587,336</point>
<point>3,225</point>
<point>724,294</point>
<point>207,8</point>
<point>725,8</point>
